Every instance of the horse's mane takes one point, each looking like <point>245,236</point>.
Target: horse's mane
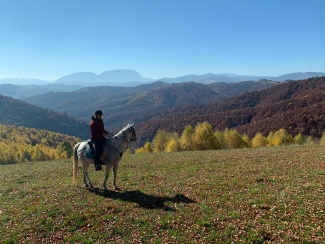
<point>124,129</point>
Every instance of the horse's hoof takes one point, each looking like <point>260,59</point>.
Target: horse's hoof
<point>117,188</point>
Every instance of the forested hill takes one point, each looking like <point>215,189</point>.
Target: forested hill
<point>137,104</point>
<point>297,106</point>
<point>19,144</point>
<point>22,135</point>
<point>19,113</point>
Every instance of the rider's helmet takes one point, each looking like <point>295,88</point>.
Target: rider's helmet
<point>98,112</point>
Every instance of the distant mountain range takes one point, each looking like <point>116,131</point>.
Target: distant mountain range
<point>131,78</point>
<point>23,82</point>
<point>22,91</point>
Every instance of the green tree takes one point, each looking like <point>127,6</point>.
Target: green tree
<point>220,140</point>
<point>299,139</point>
<point>65,150</point>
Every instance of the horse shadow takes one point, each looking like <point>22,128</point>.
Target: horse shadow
<point>144,200</point>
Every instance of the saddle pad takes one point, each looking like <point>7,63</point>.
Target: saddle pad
<point>89,154</point>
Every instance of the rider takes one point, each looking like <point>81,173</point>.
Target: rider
<point>97,136</point>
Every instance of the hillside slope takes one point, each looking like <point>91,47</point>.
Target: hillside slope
<point>264,195</point>
<point>19,113</point>
<point>297,106</point>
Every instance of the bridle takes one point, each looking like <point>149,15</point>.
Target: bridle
<point>131,139</point>
<point>128,140</point>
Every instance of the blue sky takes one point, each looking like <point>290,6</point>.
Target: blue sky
<point>48,39</point>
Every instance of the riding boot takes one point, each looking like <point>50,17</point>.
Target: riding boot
<point>98,164</point>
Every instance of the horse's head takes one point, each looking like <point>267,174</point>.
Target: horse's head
<point>130,132</point>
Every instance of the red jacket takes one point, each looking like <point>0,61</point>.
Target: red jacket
<point>96,129</point>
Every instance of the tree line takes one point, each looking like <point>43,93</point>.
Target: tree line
<point>202,137</point>
<point>19,144</point>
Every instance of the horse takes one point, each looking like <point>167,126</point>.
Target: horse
<point>111,156</point>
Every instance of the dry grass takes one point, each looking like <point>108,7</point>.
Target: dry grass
<point>245,195</point>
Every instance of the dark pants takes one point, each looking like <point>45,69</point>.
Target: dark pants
<point>98,146</point>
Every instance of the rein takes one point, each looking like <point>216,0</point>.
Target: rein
<point>128,141</point>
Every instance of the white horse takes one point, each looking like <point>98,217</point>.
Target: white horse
<point>111,156</point>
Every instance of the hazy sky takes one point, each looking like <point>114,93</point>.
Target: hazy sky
<point>47,39</point>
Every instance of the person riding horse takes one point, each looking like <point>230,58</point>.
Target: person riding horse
<point>97,136</point>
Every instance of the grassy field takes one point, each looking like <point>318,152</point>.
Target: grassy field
<point>247,195</point>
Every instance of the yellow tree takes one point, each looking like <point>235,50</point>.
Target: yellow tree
<point>220,140</point>
<point>204,138</point>
<point>147,148</point>
<point>282,137</point>
<point>38,154</point>
<point>259,141</point>
<point>160,141</point>
<point>186,140</point>
<point>172,146</point>
<point>247,141</point>
<point>233,139</point>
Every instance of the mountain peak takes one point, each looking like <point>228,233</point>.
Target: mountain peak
<point>108,77</point>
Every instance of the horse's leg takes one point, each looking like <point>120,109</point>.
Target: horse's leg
<point>115,166</point>
<point>108,169</point>
<point>85,167</point>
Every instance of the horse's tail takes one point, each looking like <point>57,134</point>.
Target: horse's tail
<point>75,162</point>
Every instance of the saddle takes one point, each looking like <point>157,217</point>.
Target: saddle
<point>90,150</point>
